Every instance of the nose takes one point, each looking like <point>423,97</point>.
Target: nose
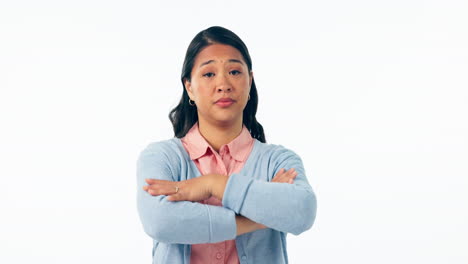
<point>223,84</point>
<point>224,89</point>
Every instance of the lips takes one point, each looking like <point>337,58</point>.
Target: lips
<point>224,102</point>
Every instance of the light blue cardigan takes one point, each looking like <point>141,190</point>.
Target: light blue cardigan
<point>174,226</point>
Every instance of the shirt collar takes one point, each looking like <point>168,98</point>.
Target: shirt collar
<point>239,148</point>
<point>196,144</point>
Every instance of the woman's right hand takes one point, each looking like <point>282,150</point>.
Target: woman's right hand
<point>285,176</point>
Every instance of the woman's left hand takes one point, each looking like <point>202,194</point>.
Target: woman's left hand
<point>196,189</point>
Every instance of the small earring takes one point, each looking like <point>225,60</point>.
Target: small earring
<point>191,102</point>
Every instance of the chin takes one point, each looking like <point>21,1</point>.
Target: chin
<point>226,121</point>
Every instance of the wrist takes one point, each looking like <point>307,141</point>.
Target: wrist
<point>218,184</point>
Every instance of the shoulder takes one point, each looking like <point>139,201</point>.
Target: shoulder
<point>169,148</point>
<point>161,146</point>
<point>274,151</point>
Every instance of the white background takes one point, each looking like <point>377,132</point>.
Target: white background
<point>371,94</point>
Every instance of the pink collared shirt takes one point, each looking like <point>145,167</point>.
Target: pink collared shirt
<point>230,159</point>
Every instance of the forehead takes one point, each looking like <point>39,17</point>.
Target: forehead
<point>218,53</point>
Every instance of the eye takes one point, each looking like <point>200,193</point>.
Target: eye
<point>208,74</point>
<point>235,72</point>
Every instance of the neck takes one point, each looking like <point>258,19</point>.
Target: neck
<point>218,135</point>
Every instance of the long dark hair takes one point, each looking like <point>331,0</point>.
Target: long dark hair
<point>184,115</point>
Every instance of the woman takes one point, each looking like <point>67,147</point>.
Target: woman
<point>216,192</point>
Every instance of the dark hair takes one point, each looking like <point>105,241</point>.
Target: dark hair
<point>184,116</point>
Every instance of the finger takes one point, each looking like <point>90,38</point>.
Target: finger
<point>156,181</point>
<point>291,173</point>
<point>288,173</point>
<point>282,178</point>
<point>284,175</point>
<point>294,174</point>
<point>278,175</point>
<point>158,189</point>
<point>288,176</point>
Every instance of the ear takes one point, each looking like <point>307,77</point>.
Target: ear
<point>250,78</point>
<point>188,87</point>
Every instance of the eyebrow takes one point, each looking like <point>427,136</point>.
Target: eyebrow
<point>230,60</point>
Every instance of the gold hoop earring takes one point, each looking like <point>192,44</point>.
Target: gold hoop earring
<point>191,102</point>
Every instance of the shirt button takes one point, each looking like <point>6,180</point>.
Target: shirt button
<point>244,258</point>
<point>218,256</point>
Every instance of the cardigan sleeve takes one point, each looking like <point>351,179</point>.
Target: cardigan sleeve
<point>177,222</point>
<point>289,208</point>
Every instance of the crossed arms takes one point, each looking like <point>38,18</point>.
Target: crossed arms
<point>285,203</point>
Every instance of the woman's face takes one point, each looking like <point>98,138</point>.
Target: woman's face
<point>220,84</point>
